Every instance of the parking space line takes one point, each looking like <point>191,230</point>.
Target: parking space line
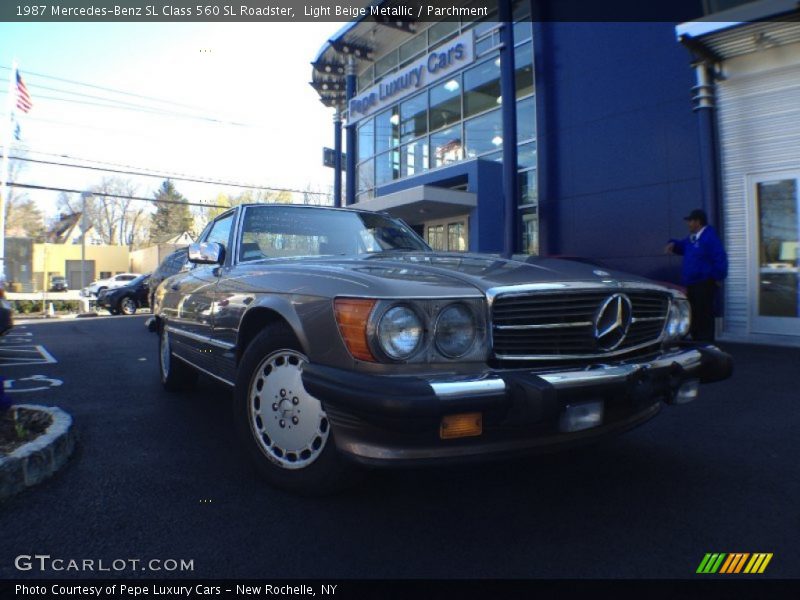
<point>25,355</point>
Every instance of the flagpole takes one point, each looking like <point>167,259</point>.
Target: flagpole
<point>11,99</point>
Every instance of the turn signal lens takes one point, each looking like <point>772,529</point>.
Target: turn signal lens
<point>461,425</point>
<point>352,315</point>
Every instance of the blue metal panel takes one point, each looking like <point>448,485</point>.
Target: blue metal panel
<point>484,178</point>
<point>337,161</point>
<point>509,111</point>
<point>350,134</point>
<point>618,142</point>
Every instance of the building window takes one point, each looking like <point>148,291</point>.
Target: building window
<point>105,274</point>
<point>413,48</point>
<point>385,64</point>
<point>366,145</point>
<point>436,237</point>
<point>445,103</point>
<point>456,238</point>
<point>526,120</point>
<point>483,134</point>
<point>365,78</point>
<point>441,31</point>
<point>527,187</point>
<point>387,167</point>
<point>414,118</point>
<point>365,177</point>
<point>523,70</point>
<point>446,146</point>
<point>482,87</point>
<point>522,31</point>
<point>530,233</point>
<point>526,155</point>
<point>414,158</point>
<point>387,130</point>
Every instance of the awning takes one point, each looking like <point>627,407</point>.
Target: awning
<point>423,203</point>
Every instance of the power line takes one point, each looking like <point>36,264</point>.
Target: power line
<point>30,186</point>
<point>153,173</point>
<point>107,89</point>
<point>121,103</point>
<point>146,109</point>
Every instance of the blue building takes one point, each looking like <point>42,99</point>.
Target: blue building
<point>610,138</point>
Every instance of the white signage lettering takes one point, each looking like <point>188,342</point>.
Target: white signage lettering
<point>435,65</point>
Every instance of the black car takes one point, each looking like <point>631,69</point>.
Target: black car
<point>171,265</point>
<point>6,312</point>
<point>128,298</point>
<point>58,283</point>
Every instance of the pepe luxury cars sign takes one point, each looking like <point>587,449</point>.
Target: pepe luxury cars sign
<point>426,70</point>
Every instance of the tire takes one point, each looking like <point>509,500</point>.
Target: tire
<point>176,375</point>
<point>112,311</point>
<point>282,427</point>
<point>127,306</point>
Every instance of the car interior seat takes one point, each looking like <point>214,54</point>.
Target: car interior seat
<point>250,251</point>
<point>338,246</point>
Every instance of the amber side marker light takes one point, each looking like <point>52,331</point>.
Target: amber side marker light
<point>352,315</point>
<point>461,425</point>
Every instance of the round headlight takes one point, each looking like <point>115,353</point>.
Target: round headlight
<point>679,319</point>
<point>399,332</point>
<point>455,331</point>
<point>685,312</point>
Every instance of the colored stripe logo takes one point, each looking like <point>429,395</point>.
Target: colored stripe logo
<point>736,562</point>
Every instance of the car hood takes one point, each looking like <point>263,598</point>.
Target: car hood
<point>424,274</point>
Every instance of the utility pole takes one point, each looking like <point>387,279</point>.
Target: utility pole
<point>8,134</point>
<point>83,239</point>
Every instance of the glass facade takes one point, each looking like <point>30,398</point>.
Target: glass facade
<point>457,119</point>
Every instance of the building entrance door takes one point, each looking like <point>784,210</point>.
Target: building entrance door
<point>448,235</point>
<point>73,273</point>
<point>775,266</point>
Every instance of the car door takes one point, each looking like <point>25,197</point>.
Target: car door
<point>190,316</point>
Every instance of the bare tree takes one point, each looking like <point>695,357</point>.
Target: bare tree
<point>116,218</point>
<point>22,216</point>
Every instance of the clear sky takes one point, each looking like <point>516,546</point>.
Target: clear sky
<point>254,116</point>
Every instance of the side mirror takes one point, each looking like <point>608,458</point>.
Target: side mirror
<point>207,253</point>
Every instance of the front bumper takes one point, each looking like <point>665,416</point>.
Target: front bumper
<point>380,419</point>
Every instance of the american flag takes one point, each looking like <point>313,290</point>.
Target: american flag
<point>24,102</point>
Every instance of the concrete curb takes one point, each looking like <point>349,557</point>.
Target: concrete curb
<point>37,460</point>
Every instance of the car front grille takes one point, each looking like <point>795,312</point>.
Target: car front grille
<point>559,325</point>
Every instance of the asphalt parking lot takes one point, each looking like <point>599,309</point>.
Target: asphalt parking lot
<point>161,476</point>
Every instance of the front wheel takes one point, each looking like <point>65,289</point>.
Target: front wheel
<point>284,428</point>
<point>176,375</point>
<point>127,306</point>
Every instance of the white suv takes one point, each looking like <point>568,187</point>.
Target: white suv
<point>94,288</point>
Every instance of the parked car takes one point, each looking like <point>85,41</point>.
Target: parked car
<point>126,299</point>
<point>94,288</point>
<point>58,283</point>
<point>346,340</point>
<point>170,266</point>
<point>6,310</point>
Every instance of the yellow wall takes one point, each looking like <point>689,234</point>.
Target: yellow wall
<point>50,259</point>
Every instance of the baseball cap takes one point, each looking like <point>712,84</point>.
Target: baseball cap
<point>697,215</point>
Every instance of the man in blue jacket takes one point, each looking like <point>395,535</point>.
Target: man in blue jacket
<point>705,266</point>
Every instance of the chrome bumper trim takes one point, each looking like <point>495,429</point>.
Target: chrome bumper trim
<point>595,375</point>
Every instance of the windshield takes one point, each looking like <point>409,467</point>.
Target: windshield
<point>138,279</point>
<point>280,231</point>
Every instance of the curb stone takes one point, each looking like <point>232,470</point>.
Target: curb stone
<point>40,458</point>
